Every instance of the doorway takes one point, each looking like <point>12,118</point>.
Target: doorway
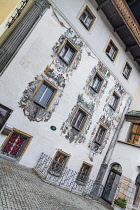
<point>112,183</point>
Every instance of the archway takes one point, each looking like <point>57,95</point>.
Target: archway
<point>112,183</point>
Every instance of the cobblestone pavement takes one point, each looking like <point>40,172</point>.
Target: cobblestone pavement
<point>20,188</point>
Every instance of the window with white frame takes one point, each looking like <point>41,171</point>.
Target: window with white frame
<point>114,101</point>
<point>79,120</point>
<point>44,94</point>
<point>111,50</point>
<point>87,18</point>
<point>127,71</point>
<point>15,144</point>
<point>100,135</point>
<point>67,53</point>
<point>97,83</point>
<point>58,163</point>
<point>83,174</point>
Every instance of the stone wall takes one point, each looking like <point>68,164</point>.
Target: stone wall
<point>126,190</point>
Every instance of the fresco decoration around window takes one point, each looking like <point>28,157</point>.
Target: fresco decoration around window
<point>115,115</point>
<point>33,111</point>
<point>75,40</point>
<point>109,119</point>
<point>104,72</point>
<point>68,131</point>
<point>93,146</point>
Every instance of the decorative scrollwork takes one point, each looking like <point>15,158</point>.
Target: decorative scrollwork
<point>33,111</point>
<point>70,133</point>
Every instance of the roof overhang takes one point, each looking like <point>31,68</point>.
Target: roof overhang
<point>124,23</point>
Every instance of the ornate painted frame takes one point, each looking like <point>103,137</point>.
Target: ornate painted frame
<point>68,131</point>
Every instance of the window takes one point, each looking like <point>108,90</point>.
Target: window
<point>58,163</point>
<point>111,50</point>
<point>83,174</point>
<point>114,101</point>
<point>67,53</point>
<point>87,18</point>
<point>4,114</point>
<point>97,83</point>
<point>15,144</point>
<point>79,120</point>
<point>127,71</point>
<point>99,137</point>
<point>134,136</point>
<point>44,94</point>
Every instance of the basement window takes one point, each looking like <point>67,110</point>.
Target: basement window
<point>83,174</point>
<point>58,163</point>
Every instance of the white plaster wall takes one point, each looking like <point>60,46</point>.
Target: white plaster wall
<point>32,59</point>
<point>98,38</point>
<point>127,156</point>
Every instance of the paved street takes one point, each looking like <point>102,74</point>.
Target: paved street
<point>22,189</point>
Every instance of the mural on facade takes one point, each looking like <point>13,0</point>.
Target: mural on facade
<point>77,43</point>
<point>70,133</point>
<point>109,119</point>
<point>104,72</point>
<point>33,111</point>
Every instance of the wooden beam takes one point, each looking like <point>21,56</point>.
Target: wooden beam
<point>137,58</point>
<point>119,28</point>
<point>112,15</point>
<point>130,47</point>
<point>100,6</point>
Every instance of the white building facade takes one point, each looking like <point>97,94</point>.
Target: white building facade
<point>65,93</point>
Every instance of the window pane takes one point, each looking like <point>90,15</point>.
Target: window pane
<point>58,164</point>
<point>63,51</point>
<point>97,81</point>
<point>40,92</point>
<point>134,128</point>
<point>68,55</point>
<point>43,95</point>
<point>46,96</point>
<point>15,144</point>
<point>3,113</point>
<point>79,120</point>
<point>83,173</point>
<point>100,135</point>
<point>83,16</point>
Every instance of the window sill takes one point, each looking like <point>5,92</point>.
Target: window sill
<point>8,158</point>
<point>124,142</point>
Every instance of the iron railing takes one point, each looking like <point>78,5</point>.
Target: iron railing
<point>66,181</point>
